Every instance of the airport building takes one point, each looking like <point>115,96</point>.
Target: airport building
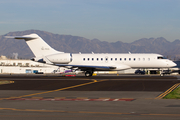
<point>18,66</point>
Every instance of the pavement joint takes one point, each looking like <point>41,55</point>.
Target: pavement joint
<point>91,112</point>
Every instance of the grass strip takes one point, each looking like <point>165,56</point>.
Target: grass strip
<point>175,94</point>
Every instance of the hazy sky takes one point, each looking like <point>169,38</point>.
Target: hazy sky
<point>106,20</point>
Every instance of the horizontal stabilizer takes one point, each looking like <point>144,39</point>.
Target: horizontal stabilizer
<point>21,37</point>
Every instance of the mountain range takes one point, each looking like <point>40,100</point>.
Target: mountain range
<point>75,44</point>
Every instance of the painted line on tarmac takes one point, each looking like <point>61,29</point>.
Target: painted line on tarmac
<point>68,99</point>
<point>67,78</point>
<point>89,112</point>
<point>94,81</point>
<point>2,82</point>
<point>168,91</point>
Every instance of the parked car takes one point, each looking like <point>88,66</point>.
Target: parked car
<point>142,72</point>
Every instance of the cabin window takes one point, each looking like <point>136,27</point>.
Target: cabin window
<point>97,59</point>
<point>125,59</point>
<point>115,59</point>
<point>106,59</point>
<point>149,59</point>
<point>84,59</point>
<point>88,59</point>
<point>129,59</point>
<point>111,59</point>
<point>120,59</point>
<point>134,59</point>
<point>101,59</point>
<point>92,59</point>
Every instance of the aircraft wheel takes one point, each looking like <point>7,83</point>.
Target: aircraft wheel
<point>161,74</point>
<point>88,73</point>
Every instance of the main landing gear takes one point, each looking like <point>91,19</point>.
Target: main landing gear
<point>165,72</point>
<point>89,73</point>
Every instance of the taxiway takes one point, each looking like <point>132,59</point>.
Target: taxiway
<point>98,97</point>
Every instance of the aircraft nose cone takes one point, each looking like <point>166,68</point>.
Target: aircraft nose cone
<point>172,64</point>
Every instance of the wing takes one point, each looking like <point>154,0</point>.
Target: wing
<point>96,67</point>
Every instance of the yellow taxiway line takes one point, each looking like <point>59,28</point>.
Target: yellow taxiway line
<point>2,82</point>
<point>168,91</point>
<point>94,81</point>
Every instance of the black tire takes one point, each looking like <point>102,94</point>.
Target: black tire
<point>88,73</point>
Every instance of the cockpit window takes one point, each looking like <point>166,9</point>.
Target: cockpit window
<point>161,57</point>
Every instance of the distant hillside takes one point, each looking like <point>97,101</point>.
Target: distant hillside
<point>75,44</point>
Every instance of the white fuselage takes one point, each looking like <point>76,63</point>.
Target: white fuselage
<point>121,61</point>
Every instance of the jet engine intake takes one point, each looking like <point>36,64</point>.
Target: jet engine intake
<point>38,60</point>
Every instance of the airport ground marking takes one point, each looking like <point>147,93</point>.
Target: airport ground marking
<point>89,112</point>
<point>168,91</point>
<point>94,81</point>
<point>73,99</point>
<point>2,82</point>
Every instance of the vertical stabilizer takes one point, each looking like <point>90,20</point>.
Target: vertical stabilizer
<point>37,45</point>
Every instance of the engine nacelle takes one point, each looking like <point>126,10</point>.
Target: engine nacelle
<point>60,58</point>
<point>38,59</point>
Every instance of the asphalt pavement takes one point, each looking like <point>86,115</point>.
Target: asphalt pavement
<point>97,97</point>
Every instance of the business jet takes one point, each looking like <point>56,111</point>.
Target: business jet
<point>88,63</point>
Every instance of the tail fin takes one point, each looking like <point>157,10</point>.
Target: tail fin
<point>37,45</point>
